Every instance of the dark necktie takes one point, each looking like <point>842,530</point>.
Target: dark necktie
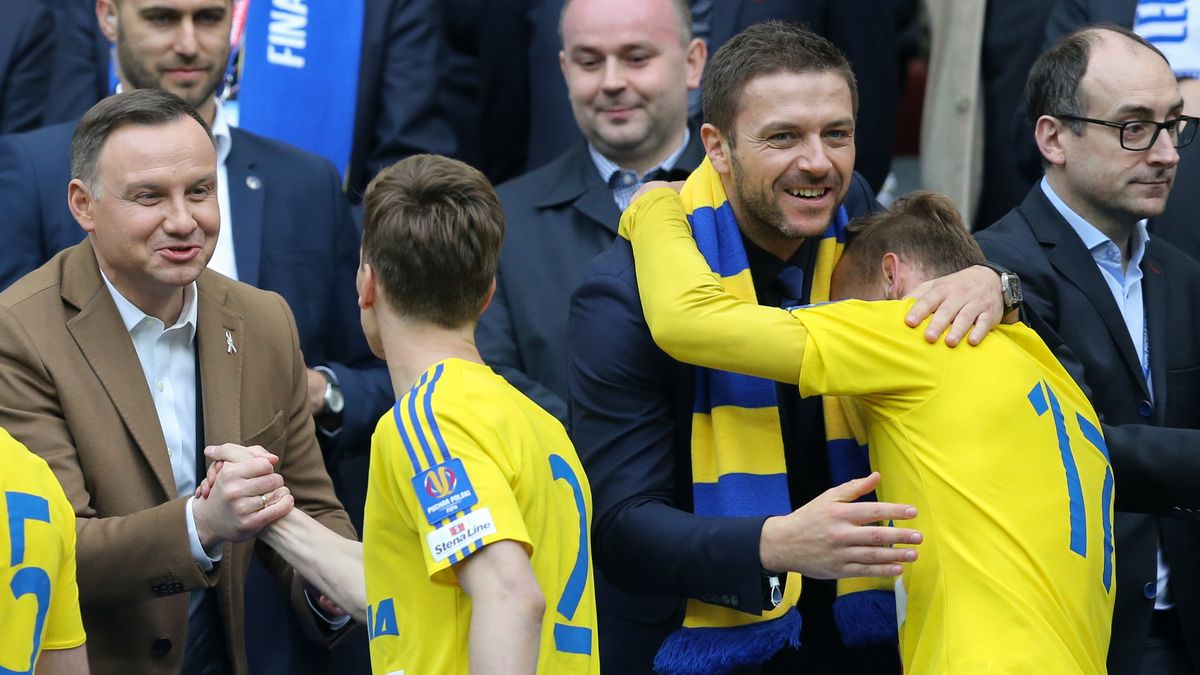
<point>791,286</point>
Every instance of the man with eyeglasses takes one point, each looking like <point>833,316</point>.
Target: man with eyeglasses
<point>1123,312</point>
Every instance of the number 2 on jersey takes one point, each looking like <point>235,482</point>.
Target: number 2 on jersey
<point>1043,400</point>
<point>568,638</point>
<point>33,581</point>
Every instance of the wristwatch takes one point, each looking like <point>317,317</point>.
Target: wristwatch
<point>1010,286</point>
<point>334,401</point>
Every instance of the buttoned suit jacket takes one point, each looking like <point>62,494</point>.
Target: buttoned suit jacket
<point>72,389</point>
<point>557,219</point>
<point>1154,441</point>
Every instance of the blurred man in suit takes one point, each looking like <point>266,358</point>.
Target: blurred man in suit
<point>628,66</point>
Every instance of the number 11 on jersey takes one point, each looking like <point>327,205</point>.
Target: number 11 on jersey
<point>1043,399</point>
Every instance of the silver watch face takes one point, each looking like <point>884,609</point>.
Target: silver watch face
<point>334,401</point>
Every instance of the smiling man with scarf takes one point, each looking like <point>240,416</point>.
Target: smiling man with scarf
<point>712,491</point>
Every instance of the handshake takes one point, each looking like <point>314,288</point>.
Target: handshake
<point>242,497</point>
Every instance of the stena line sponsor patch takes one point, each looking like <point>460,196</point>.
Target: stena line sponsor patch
<point>444,490</point>
<point>455,535</point>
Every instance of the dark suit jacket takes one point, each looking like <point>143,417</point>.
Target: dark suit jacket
<point>1155,449</point>
<point>26,59</point>
<point>81,73</point>
<point>292,235</point>
<point>72,389</point>
<point>557,219</point>
<point>398,112</point>
<point>631,408</point>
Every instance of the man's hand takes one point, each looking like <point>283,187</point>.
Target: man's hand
<point>969,299</point>
<point>242,497</point>
<point>676,185</point>
<point>316,392</point>
<point>831,537</point>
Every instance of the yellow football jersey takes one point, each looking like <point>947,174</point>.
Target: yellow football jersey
<point>995,445</point>
<point>461,461</point>
<point>1002,455</point>
<point>39,600</point>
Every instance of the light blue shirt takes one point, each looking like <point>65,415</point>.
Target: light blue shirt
<point>1126,288</point>
<point>623,182</point>
<point>1124,284</point>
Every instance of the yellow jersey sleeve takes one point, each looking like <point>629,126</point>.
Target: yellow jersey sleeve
<point>864,349</point>
<point>691,315</point>
<point>39,598</point>
<point>64,624</point>
<point>456,480</point>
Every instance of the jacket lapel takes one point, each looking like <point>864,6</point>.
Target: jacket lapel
<point>580,185</point>
<point>1068,255</point>
<point>247,191</point>
<point>219,338</point>
<point>102,339</point>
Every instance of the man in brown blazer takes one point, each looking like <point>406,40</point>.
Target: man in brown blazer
<point>121,359</point>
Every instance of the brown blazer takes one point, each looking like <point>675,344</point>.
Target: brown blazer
<point>72,389</point>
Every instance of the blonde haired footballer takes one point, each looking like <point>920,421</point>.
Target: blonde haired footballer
<point>995,445</point>
<point>40,623</point>
<point>476,535</point>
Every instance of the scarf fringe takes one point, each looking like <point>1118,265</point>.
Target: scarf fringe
<point>709,651</point>
<point>866,618</point>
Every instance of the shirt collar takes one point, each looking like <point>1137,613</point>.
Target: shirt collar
<point>221,134</point>
<point>1093,239</point>
<point>133,317</point>
<point>607,167</point>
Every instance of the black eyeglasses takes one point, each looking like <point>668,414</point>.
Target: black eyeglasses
<point>1140,135</point>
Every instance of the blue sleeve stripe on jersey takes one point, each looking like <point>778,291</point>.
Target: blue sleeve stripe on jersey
<point>415,421</point>
<point>433,425</point>
<point>412,453</point>
<point>1106,498</point>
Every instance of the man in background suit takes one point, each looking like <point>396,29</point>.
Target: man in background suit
<point>628,66</point>
<point>523,103</point>
<point>1123,308</point>
<point>286,228</point>
<point>121,359</point>
<point>397,113</point>
<point>1177,222</point>
<point>26,60</point>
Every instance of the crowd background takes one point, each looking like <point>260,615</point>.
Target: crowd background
<point>941,83</point>
<point>941,107</point>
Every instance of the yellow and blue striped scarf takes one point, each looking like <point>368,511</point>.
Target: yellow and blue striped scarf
<point>738,465</point>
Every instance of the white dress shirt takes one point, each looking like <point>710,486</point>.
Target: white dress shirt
<point>168,359</point>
